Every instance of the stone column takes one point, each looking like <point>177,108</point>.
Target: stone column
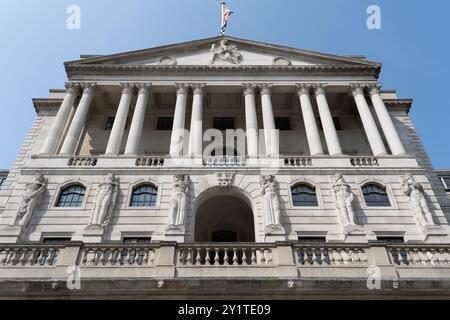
<point>312,132</point>
<point>76,126</point>
<point>370,127</point>
<point>391,134</point>
<point>329,130</point>
<point>137,124</point>
<point>251,121</point>
<point>196,129</point>
<point>115,138</point>
<point>55,133</point>
<point>270,131</point>
<point>179,118</point>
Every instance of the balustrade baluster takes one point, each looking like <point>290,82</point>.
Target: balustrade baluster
<point>207,257</point>
<point>198,257</point>
<point>226,258</point>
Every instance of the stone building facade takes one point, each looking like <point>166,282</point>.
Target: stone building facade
<point>317,181</point>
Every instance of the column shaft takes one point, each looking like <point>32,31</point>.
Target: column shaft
<point>79,119</point>
<point>390,132</point>
<point>179,118</point>
<point>329,130</point>
<point>370,127</point>
<point>251,121</point>
<point>115,138</point>
<point>196,129</point>
<point>312,132</point>
<point>55,133</point>
<point>137,124</point>
<point>270,132</point>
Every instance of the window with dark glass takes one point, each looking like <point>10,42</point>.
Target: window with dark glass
<point>137,240</point>
<point>282,123</point>
<point>71,196</point>
<point>56,240</point>
<point>375,196</point>
<point>223,123</point>
<point>144,196</point>
<point>391,239</point>
<point>304,196</point>
<point>109,123</point>
<point>164,123</point>
<point>336,122</point>
<point>312,239</point>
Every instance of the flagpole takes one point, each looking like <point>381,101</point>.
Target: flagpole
<point>222,3</point>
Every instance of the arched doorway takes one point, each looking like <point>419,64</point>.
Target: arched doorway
<point>224,218</point>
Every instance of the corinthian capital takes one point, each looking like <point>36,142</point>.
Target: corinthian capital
<point>143,87</point>
<point>181,88</point>
<point>373,88</point>
<point>357,88</point>
<point>198,88</point>
<point>127,87</point>
<point>319,88</point>
<point>248,88</point>
<point>303,88</point>
<point>265,88</point>
<point>88,87</point>
<point>72,87</point>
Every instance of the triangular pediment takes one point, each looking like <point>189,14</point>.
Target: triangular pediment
<point>223,51</point>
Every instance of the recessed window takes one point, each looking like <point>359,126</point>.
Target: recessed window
<point>375,196</point>
<point>109,123</point>
<point>446,182</point>
<point>137,240</point>
<point>144,196</point>
<point>223,123</point>
<point>164,123</point>
<point>391,239</point>
<point>304,196</point>
<point>312,239</point>
<point>56,240</point>
<point>71,196</point>
<point>336,122</point>
<point>282,123</point>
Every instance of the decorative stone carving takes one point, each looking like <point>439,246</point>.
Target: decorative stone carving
<point>167,61</point>
<point>72,87</point>
<point>319,88</point>
<point>357,88</point>
<point>270,204</point>
<point>249,88</point>
<point>105,200</point>
<point>418,205</point>
<point>303,88</point>
<point>88,87</point>
<point>181,88</point>
<point>225,52</point>
<point>373,89</point>
<point>343,198</point>
<point>281,61</point>
<point>30,200</point>
<point>224,179</point>
<point>198,88</point>
<point>127,87</point>
<point>143,87</point>
<point>178,204</point>
<point>265,88</point>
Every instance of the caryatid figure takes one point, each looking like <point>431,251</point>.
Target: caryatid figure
<point>30,200</point>
<point>271,202</point>
<point>343,198</point>
<point>418,205</point>
<point>105,200</point>
<point>179,200</point>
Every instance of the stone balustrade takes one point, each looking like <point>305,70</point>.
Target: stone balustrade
<point>419,256</point>
<point>224,255</point>
<point>150,161</point>
<point>118,255</point>
<point>331,255</point>
<point>298,162</point>
<point>224,161</point>
<point>82,162</point>
<point>33,255</point>
<point>364,162</point>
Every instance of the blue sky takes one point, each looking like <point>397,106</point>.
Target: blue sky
<point>413,46</point>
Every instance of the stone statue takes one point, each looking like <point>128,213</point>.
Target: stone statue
<point>30,200</point>
<point>178,204</point>
<point>417,203</point>
<point>343,198</point>
<point>225,52</point>
<point>271,203</point>
<point>105,199</point>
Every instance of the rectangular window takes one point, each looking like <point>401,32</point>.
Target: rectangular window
<point>164,123</point>
<point>336,122</point>
<point>446,182</point>
<point>56,240</point>
<point>391,239</point>
<point>223,123</point>
<point>312,239</point>
<point>109,123</point>
<point>137,240</point>
<point>282,123</point>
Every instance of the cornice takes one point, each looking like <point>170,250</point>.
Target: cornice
<point>113,68</point>
<point>46,102</point>
<point>400,104</point>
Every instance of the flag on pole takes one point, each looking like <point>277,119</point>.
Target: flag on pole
<point>226,13</point>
